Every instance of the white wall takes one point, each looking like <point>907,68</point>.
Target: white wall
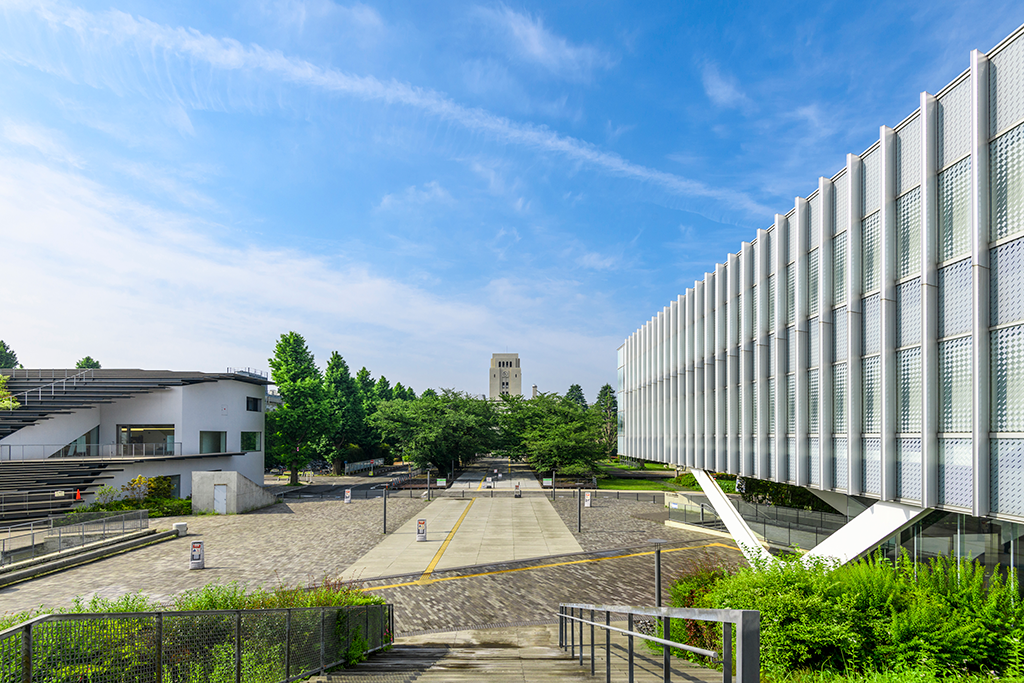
<point>60,430</point>
<point>249,466</point>
<point>219,407</point>
<point>158,407</point>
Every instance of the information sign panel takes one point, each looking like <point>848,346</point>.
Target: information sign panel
<point>348,495</point>
<point>421,529</point>
<point>586,499</point>
<point>197,556</point>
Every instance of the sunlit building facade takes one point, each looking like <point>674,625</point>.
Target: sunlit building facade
<point>870,341</point>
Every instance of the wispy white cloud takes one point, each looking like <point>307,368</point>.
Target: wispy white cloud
<point>40,139</point>
<point>721,89</point>
<point>295,14</point>
<point>529,40</point>
<point>597,261</point>
<point>414,196</point>
<point>178,64</point>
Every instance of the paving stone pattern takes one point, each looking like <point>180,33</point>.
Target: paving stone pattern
<point>291,543</point>
<point>534,595</point>
<point>621,523</point>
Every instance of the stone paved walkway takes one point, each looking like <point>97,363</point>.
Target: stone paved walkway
<point>293,542</point>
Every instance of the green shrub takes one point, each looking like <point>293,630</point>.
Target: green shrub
<point>233,595</point>
<point>871,615</point>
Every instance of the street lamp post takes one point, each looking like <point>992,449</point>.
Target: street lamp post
<point>579,510</point>
<point>386,510</point>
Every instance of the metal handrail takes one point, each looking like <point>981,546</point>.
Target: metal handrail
<point>748,636</point>
<point>63,382</point>
<point>661,641</point>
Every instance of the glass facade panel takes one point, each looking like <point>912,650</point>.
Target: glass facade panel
<point>1008,380</point>
<point>839,338</point>
<point>908,469</point>
<point>872,253</point>
<point>1007,283</point>
<point>771,405</point>
<point>955,211</point>
<point>791,404</point>
<point>955,299</point>
<point>871,179</point>
<point>1007,465</point>
<point>791,347</point>
<point>955,385</point>
<point>839,398</point>
<point>872,466</point>
<point>872,395</point>
<point>771,302</point>
<point>812,283</point>
<point>908,363</point>
<point>871,318</point>
<point>812,401</point>
<point>908,313</point>
<point>840,464</point>
<point>814,456</point>
<point>956,477</point>
<point>908,234</point>
<point>812,342</point>
<point>1007,183</point>
<point>839,269</point>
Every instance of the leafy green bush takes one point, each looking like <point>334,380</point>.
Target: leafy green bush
<point>688,481</point>
<point>158,507</point>
<point>233,595</point>
<point>872,615</point>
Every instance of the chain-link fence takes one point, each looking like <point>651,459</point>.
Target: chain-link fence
<point>222,646</point>
<point>57,534</point>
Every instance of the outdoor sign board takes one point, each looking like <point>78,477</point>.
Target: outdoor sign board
<point>197,558</point>
<point>586,499</point>
<point>348,495</point>
<point>546,481</point>
<point>442,482</point>
<point>421,529</point>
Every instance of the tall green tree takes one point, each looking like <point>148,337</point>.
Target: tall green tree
<point>552,433</point>
<point>88,362</point>
<point>8,358</point>
<point>446,431</point>
<point>607,407</point>
<point>300,423</point>
<point>575,395</point>
<point>382,390</point>
<point>345,408</point>
<point>428,393</point>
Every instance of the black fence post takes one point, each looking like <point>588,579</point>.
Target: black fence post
<point>727,651</point>
<point>591,642</point>
<point>26,653</point>
<point>581,637</point>
<point>323,641</point>
<point>288,644</point>
<point>159,647</point>
<point>666,650</point>
<point>607,647</point>
<point>629,627</point>
<point>238,646</point>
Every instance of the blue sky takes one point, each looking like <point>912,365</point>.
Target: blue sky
<point>418,185</point>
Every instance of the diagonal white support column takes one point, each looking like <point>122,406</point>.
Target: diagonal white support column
<point>738,529</point>
<point>867,530</point>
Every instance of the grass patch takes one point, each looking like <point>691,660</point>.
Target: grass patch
<point>635,484</point>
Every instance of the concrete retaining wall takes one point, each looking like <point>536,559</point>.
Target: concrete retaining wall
<point>243,494</point>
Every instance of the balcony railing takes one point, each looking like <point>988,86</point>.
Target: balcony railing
<point>14,452</point>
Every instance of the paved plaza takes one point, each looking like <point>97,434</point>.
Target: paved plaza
<point>487,561</point>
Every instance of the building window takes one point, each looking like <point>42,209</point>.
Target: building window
<point>253,404</point>
<point>213,442</point>
<point>143,440</point>
<point>250,441</point>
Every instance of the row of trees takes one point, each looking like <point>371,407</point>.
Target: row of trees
<point>324,414</point>
<point>338,417</point>
<point>9,359</point>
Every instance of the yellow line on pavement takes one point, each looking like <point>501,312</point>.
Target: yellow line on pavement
<point>481,484</point>
<point>425,579</point>
<point>444,546</point>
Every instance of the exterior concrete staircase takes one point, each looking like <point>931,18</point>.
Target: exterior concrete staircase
<point>523,654</point>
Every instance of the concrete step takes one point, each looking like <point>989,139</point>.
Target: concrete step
<point>520,654</point>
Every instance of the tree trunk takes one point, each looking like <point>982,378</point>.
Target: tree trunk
<point>337,467</point>
<point>294,479</point>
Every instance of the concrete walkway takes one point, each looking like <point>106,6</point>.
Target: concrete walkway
<point>468,531</point>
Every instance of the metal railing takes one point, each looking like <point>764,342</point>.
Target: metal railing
<point>55,535</point>
<point>747,625</point>
<point>363,465</point>
<point>216,646</point>
<point>784,530</point>
<point>13,452</point>
<point>24,396</point>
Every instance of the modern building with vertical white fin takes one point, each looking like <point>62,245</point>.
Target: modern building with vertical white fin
<point>869,343</point>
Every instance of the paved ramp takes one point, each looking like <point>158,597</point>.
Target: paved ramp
<point>469,531</point>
